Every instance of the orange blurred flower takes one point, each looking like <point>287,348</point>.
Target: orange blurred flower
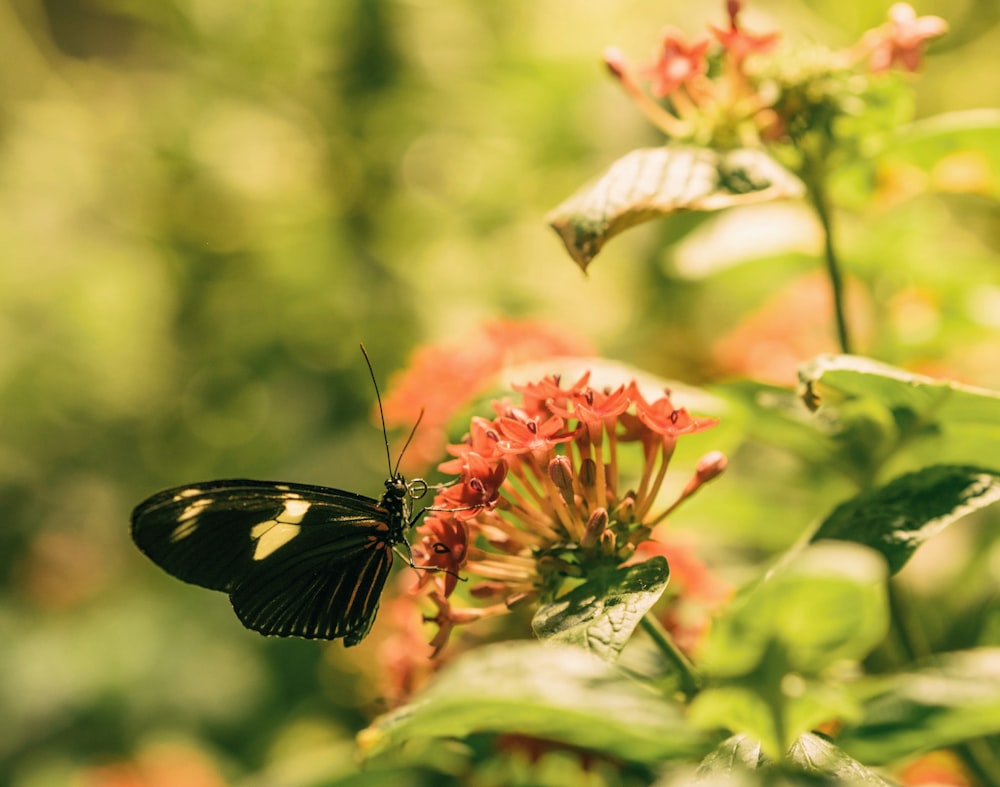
<point>936,769</point>
<point>443,378</point>
<point>789,329</point>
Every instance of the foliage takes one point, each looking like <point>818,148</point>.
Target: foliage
<point>206,207</point>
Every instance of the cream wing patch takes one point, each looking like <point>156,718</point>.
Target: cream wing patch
<point>272,534</point>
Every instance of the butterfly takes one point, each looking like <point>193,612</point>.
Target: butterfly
<point>296,559</point>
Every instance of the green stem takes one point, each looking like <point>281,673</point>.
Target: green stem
<point>815,183</point>
<point>689,681</point>
<point>980,760</point>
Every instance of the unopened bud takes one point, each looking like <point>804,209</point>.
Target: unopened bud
<point>588,472</point>
<point>596,525</point>
<point>561,473</point>
<point>710,466</point>
<point>626,509</point>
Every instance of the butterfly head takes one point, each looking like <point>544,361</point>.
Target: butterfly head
<point>398,488</point>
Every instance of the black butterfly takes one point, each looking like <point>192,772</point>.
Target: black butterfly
<point>296,560</point>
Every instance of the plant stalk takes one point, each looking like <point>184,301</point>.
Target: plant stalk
<point>815,184</point>
<point>689,681</point>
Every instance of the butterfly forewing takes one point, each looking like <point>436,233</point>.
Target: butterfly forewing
<point>296,559</point>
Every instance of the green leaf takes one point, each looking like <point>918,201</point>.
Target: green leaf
<point>652,182</point>
<point>897,518</point>
<point>823,604</point>
<point>814,754</point>
<point>602,613</point>
<point>738,761</point>
<point>959,151</point>
<point>551,691</point>
<point>954,700</point>
<point>874,410</point>
<point>736,753</point>
<point>766,654</point>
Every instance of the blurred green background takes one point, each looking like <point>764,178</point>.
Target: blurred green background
<point>206,206</point>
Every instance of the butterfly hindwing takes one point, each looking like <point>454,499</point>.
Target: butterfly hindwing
<point>296,559</point>
<point>317,596</point>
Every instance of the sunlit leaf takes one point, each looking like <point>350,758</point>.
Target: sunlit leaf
<point>601,614</point>
<point>875,411</point>
<point>735,753</point>
<point>766,654</point>
<point>897,518</point>
<point>957,152</point>
<point>652,182</point>
<point>956,698</point>
<point>810,760</point>
<point>817,755</point>
<point>551,691</point>
<point>821,605</point>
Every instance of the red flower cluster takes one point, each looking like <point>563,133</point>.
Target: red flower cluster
<point>715,96</point>
<point>539,496</point>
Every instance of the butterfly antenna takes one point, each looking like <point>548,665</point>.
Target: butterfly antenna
<point>381,414</point>
<point>409,439</point>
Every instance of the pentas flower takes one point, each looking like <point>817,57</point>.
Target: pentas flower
<point>539,496</point>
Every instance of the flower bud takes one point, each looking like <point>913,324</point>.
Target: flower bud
<point>596,525</point>
<point>711,465</point>
<point>561,473</point>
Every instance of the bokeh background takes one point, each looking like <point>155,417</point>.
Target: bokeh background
<point>206,206</point>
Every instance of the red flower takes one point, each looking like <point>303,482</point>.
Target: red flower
<point>444,545</point>
<point>479,488</point>
<point>665,419</point>
<point>482,440</point>
<point>739,43</point>
<point>677,63</point>
<point>902,39</point>
<point>531,435</point>
<point>538,397</point>
<point>594,409</point>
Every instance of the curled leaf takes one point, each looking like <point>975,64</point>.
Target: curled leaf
<point>652,182</point>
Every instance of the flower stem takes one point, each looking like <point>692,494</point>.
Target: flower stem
<point>816,185</point>
<point>689,681</point>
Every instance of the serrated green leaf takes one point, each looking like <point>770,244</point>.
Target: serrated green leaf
<point>880,409</point>
<point>955,699</point>
<point>551,691</point>
<point>897,518</point>
<point>601,614</point>
<point>652,182</point>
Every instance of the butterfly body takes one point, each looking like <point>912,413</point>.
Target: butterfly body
<point>296,559</point>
